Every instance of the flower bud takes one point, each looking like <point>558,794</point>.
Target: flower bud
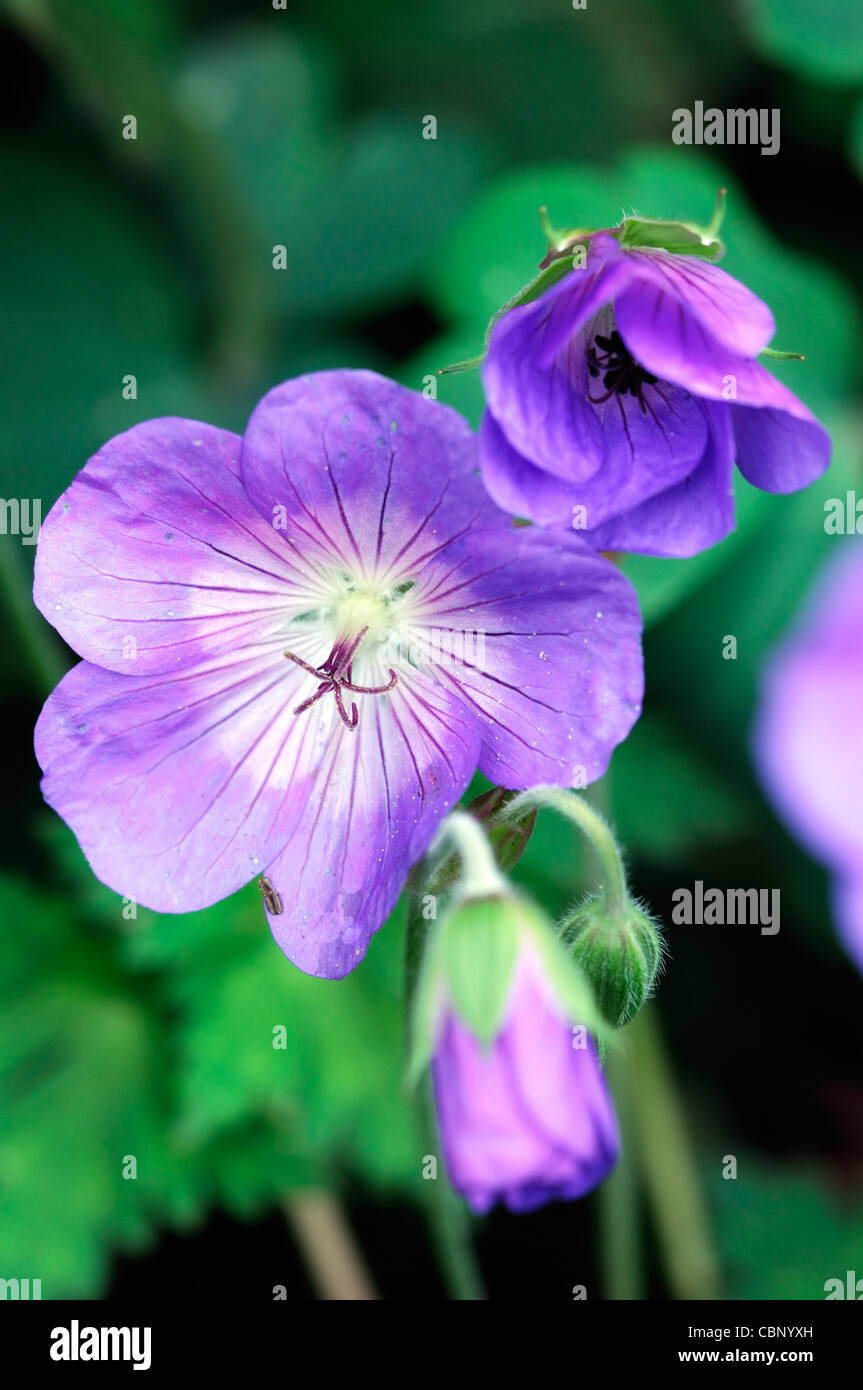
<point>523,1109</point>
<point>620,957</point>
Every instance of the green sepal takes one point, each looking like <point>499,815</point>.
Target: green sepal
<point>548,275</point>
<point>568,981</point>
<point>681,238</point>
<point>508,841</point>
<point>620,957</point>
<point>478,954</point>
<point>469,965</point>
<point>423,1010</point>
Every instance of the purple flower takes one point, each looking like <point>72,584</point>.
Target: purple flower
<point>619,401</point>
<point>808,740</point>
<point>529,1118</point>
<point>300,644</point>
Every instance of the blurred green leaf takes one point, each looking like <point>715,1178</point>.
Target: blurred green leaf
<point>752,600</point>
<point>332,1077</point>
<point>668,797</point>
<point>855,143</point>
<point>93,298</point>
<point>81,1064</point>
<point>782,1234</point>
<point>823,40</point>
<point>461,390</point>
<point>360,208</point>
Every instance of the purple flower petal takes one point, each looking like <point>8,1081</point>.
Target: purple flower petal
<point>807,745</point>
<point>807,740</point>
<point>519,486</point>
<point>688,517</point>
<point>529,1120</point>
<point>546,657</point>
<point>372,811</point>
<point>372,476</point>
<point>730,313</point>
<point>780,449</point>
<point>847,899</point>
<point>647,452</point>
<point>154,557</point>
<point>781,446</point>
<point>535,372</point>
<point>181,787</point>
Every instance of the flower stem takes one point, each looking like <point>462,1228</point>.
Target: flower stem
<point>480,876</point>
<point>332,1257</point>
<point>669,1166</point>
<point>447,1215</point>
<point>591,824</point>
<point>621,1254</point>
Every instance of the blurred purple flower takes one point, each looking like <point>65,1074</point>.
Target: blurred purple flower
<point>619,401</point>
<point>529,1119</point>
<point>808,740</point>
<point>243,708</point>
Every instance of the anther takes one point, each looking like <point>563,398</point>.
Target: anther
<point>335,674</point>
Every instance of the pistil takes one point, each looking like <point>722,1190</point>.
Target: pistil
<point>335,674</point>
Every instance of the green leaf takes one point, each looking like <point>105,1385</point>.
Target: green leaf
<point>669,797</point>
<point>320,1060</point>
<point>823,41</point>
<point>93,298</point>
<point>359,208</point>
<point>783,1234</point>
<point>81,1068</point>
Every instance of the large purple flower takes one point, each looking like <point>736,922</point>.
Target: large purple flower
<point>619,401</point>
<point>299,645</point>
<point>808,740</point>
<point>527,1119</point>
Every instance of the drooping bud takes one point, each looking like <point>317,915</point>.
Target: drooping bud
<point>508,1022</point>
<point>620,955</point>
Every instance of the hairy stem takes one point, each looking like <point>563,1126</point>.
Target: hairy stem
<point>591,824</point>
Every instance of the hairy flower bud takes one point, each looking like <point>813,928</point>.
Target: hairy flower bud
<point>620,957</point>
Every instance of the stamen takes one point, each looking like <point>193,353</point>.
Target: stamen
<point>621,374</point>
<point>371,689</point>
<point>335,675</point>
<point>313,699</point>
